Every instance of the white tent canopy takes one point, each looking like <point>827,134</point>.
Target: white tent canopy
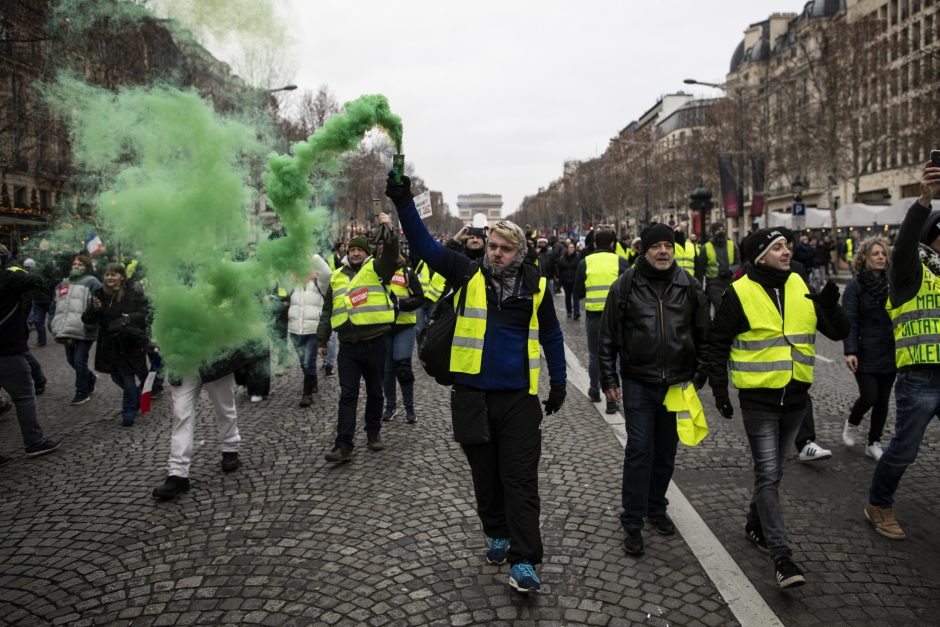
<point>855,214</point>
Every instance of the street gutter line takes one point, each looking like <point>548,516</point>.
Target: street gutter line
<point>743,599</point>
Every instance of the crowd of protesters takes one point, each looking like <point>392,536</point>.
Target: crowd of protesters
<point>665,314</point>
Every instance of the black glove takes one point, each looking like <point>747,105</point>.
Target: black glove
<point>700,379</point>
<point>556,397</point>
<point>827,297</point>
<point>400,193</point>
<point>723,403</point>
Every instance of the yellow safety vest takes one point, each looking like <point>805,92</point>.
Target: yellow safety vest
<point>400,289</point>
<point>433,286</point>
<point>690,415</point>
<point>601,270</point>
<point>849,249</point>
<point>711,267</point>
<point>332,262</point>
<point>361,300</point>
<point>685,256</point>
<point>774,351</point>
<point>466,351</point>
<point>622,252</point>
<point>917,325</point>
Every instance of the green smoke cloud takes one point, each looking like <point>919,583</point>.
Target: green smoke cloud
<point>176,188</point>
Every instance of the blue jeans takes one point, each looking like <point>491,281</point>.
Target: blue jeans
<point>330,360</point>
<point>306,347</point>
<point>650,454</point>
<point>16,380</point>
<point>38,317</point>
<point>130,401</point>
<point>770,435</point>
<point>593,329</point>
<point>76,353</point>
<point>917,395</point>
<point>399,345</point>
<point>424,315</point>
<point>572,302</point>
<point>35,368</point>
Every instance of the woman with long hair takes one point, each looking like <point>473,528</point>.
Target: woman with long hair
<point>869,348</point>
<point>121,313</point>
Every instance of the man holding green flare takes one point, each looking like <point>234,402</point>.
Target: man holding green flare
<point>914,307</point>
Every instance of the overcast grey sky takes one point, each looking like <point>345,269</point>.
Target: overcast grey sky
<point>496,95</point>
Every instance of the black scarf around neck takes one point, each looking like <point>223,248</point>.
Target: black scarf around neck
<point>875,285</point>
<point>650,271</point>
<point>767,276</point>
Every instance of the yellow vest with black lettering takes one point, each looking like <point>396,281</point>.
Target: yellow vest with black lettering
<point>361,300</point>
<point>711,267</point>
<point>917,324</point>
<point>685,256</point>
<point>400,289</point>
<point>466,350</point>
<point>774,351</point>
<point>601,270</point>
<point>433,286</point>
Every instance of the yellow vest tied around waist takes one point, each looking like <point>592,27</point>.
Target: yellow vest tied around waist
<point>690,415</point>
<point>917,324</point>
<point>711,255</point>
<point>774,350</point>
<point>400,289</point>
<point>361,300</point>
<point>601,270</point>
<point>685,257</point>
<point>466,351</point>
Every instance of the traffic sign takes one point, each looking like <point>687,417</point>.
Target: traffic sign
<point>799,209</point>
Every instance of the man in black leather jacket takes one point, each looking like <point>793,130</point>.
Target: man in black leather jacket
<point>660,334</point>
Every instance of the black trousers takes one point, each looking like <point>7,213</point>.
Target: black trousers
<point>506,473</point>
<point>355,361</point>
<point>874,393</point>
<point>807,432</point>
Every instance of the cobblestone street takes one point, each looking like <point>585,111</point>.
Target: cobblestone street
<point>392,537</point>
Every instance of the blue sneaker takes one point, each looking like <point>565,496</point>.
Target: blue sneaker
<point>499,547</point>
<point>522,577</point>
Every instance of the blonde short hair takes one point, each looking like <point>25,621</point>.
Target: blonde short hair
<point>860,260</point>
<point>509,231</point>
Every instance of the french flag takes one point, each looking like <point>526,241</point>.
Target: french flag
<point>93,244</point>
<point>146,394</point>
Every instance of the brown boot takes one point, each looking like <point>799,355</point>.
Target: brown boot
<point>375,442</point>
<point>338,454</point>
<point>884,522</point>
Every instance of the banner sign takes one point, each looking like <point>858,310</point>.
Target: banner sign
<point>423,204</point>
<point>729,186</point>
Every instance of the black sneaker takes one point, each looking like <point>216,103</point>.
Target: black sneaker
<point>328,371</point>
<point>230,461</point>
<point>594,396</point>
<point>339,454</point>
<point>46,446</point>
<point>633,541</point>
<point>662,523</point>
<point>755,534</point>
<point>171,488</point>
<point>611,408</point>
<point>787,574</point>
<point>78,399</point>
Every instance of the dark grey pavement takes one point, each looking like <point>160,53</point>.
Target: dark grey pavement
<point>390,538</point>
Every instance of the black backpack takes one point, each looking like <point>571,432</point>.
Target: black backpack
<point>435,339</point>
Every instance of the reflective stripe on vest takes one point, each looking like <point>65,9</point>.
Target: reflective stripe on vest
<point>361,300</point>
<point>917,324</point>
<point>433,286</point>
<point>400,289</point>
<point>601,270</point>
<point>711,268</point>
<point>685,256</point>
<point>466,350</point>
<point>774,351</point>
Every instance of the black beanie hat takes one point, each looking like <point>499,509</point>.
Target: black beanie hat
<point>931,228</point>
<point>656,233</point>
<point>759,242</point>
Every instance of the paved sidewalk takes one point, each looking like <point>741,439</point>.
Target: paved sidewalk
<point>390,538</point>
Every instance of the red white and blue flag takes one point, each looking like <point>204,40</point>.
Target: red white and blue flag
<point>93,244</point>
<point>146,395</point>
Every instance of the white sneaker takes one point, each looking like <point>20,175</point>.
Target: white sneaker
<point>812,452</point>
<point>874,451</point>
<point>849,434</point>
<point>256,399</point>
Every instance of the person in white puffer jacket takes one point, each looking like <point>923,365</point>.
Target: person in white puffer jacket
<point>303,316</point>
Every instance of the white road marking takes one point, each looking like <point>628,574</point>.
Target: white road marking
<point>823,358</point>
<point>743,599</point>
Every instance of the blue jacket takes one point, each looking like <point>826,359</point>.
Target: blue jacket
<point>871,335</point>
<point>504,363</point>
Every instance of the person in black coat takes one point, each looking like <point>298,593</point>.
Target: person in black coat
<point>121,313</point>
<point>869,347</point>
<point>567,271</point>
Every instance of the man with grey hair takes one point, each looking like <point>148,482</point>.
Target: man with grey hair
<point>504,314</point>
